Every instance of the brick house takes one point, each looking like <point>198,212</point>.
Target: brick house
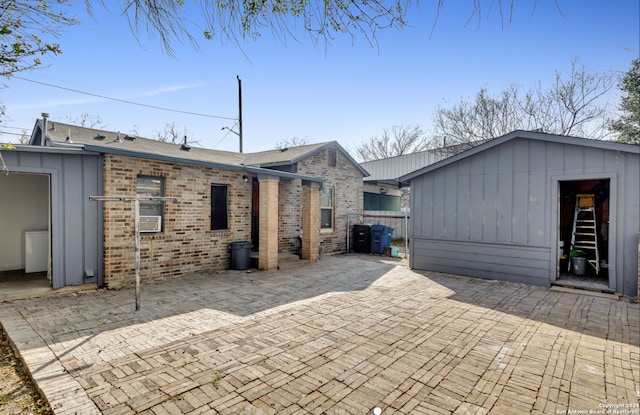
<point>293,200</point>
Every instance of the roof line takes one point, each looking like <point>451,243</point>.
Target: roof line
<point>532,135</point>
<point>321,147</point>
<point>160,157</point>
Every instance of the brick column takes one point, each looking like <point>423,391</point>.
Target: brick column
<point>310,220</point>
<point>268,223</point>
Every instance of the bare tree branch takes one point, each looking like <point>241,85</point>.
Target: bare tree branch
<point>573,105</point>
<point>397,141</point>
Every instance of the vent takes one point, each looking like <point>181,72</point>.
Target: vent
<point>150,223</point>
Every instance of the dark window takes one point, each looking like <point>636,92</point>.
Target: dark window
<point>373,201</point>
<point>219,208</point>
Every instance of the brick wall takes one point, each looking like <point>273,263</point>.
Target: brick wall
<point>187,245</point>
<point>347,182</point>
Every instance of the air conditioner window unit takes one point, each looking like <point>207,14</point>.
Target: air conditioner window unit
<point>150,223</point>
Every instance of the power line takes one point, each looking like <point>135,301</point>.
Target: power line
<point>9,133</point>
<point>124,100</point>
<point>15,128</point>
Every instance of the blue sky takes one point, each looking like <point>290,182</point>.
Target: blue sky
<point>348,91</point>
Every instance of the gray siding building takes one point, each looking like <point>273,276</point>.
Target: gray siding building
<point>46,195</point>
<point>504,209</point>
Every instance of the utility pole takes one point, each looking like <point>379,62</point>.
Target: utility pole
<point>240,110</point>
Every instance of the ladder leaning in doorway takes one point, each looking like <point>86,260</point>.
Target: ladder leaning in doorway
<point>584,236</point>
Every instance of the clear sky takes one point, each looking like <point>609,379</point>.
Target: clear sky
<point>348,91</point>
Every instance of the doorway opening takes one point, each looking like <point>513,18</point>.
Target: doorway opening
<point>584,233</point>
<point>25,241</point>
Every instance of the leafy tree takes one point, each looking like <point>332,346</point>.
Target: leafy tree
<point>628,125</point>
<point>572,105</point>
<point>23,24</point>
<point>393,142</point>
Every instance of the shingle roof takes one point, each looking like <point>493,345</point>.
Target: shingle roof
<point>62,134</point>
<point>92,138</point>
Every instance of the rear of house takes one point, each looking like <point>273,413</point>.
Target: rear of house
<point>505,209</point>
<point>291,201</point>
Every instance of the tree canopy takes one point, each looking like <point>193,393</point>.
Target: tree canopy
<point>25,26</point>
<point>628,124</point>
<point>321,20</point>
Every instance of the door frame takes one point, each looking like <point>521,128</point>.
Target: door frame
<point>555,221</point>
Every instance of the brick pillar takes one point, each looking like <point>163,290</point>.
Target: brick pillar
<point>310,220</point>
<point>268,223</point>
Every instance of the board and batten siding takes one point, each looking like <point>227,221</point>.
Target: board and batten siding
<point>76,223</point>
<point>494,214</point>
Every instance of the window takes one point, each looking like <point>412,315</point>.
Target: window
<point>150,186</point>
<point>374,201</point>
<point>219,208</point>
<point>326,208</point>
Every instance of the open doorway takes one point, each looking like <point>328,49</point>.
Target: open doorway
<point>584,233</point>
<point>25,241</point>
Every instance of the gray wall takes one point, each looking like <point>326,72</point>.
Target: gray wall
<point>76,222</point>
<point>494,214</point>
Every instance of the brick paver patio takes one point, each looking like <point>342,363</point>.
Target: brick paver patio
<point>345,336</point>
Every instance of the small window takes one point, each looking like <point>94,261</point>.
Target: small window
<point>150,186</point>
<point>332,157</point>
<point>326,208</point>
<point>219,207</point>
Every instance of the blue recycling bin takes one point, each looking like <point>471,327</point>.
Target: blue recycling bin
<point>380,238</point>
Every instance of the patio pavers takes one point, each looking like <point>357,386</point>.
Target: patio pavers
<point>344,336</point>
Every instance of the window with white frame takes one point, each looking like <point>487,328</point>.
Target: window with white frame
<point>326,208</point>
<point>151,186</point>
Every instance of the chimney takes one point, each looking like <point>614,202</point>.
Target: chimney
<point>45,126</point>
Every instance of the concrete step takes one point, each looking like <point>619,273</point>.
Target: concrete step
<point>285,261</point>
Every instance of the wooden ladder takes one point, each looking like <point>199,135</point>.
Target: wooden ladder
<point>584,236</point>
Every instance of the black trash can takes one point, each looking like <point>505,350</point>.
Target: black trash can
<point>240,255</point>
<point>361,238</point>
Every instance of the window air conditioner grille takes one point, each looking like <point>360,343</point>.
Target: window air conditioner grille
<point>150,223</point>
